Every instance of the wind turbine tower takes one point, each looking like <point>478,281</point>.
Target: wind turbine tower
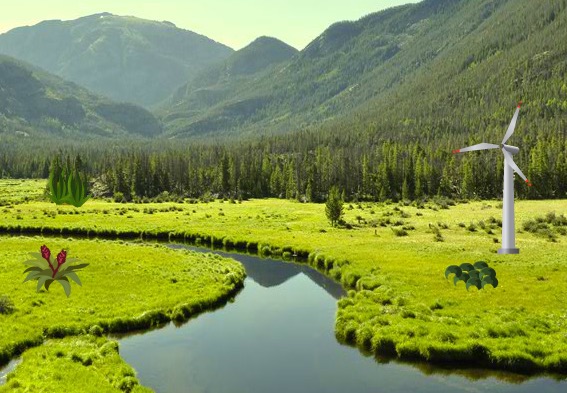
<point>508,230</point>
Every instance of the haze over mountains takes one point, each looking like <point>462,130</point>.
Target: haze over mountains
<point>124,58</point>
<point>34,102</point>
<point>405,69</point>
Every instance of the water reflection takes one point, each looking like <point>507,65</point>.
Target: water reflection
<point>6,369</point>
<point>278,337</point>
<point>274,272</point>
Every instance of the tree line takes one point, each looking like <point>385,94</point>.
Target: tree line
<point>302,166</point>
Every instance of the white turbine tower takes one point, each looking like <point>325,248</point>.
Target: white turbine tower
<point>508,232</point>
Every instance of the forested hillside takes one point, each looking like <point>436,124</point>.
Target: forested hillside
<point>216,84</point>
<point>430,67</point>
<point>34,103</point>
<point>451,77</point>
<point>124,58</point>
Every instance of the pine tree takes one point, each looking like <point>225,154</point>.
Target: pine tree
<point>334,206</point>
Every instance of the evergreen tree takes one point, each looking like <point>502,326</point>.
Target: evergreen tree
<point>334,206</point>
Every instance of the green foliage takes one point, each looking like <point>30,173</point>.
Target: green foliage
<point>385,277</point>
<point>334,206</point>
<point>206,281</point>
<point>46,271</point>
<point>478,274</point>
<point>401,53</point>
<point>66,186</point>
<point>548,226</point>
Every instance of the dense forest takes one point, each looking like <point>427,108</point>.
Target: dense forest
<point>392,135</point>
<point>304,166</point>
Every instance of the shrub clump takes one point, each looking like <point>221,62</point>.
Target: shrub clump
<point>549,226</point>
<point>399,232</point>
<point>6,305</point>
<point>96,330</point>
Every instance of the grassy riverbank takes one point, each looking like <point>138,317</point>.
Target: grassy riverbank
<point>126,287</point>
<point>74,364</point>
<point>393,258</point>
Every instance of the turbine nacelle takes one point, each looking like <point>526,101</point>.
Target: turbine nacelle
<point>510,149</point>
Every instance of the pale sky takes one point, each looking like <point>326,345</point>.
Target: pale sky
<point>232,22</point>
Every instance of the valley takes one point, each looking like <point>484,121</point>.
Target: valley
<point>279,218</point>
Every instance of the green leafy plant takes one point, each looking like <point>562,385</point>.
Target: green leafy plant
<point>478,274</point>
<point>42,269</point>
<point>67,187</point>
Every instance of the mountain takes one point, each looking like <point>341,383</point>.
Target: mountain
<point>408,68</point>
<point>35,103</point>
<point>124,58</point>
<point>222,81</point>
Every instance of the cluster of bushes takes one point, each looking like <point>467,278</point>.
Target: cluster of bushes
<point>548,226</point>
<point>165,196</point>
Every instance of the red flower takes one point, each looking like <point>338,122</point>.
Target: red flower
<point>45,253</point>
<point>61,257</point>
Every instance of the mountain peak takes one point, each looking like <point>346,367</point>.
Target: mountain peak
<point>259,54</point>
<point>122,57</point>
<point>267,40</point>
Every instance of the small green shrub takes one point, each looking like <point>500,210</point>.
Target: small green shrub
<point>478,275</point>
<point>96,330</point>
<point>6,305</point>
<point>399,232</point>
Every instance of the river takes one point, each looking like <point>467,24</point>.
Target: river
<point>277,336</point>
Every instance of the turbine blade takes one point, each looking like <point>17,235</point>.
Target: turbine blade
<point>512,125</point>
<point>480,146</point>
<point>510,162</point>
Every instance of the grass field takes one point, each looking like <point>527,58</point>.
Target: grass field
<point>126,287</point>
<point>74,364</point>
<point>393,260</point>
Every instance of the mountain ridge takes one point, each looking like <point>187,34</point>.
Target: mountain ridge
<point>212,86</point>
<point>36,103</point>
<point>356,69</point>
<point>122,57</point>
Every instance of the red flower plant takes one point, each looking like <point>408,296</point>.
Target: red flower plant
<point>61,257</point>
<point>45,275</point>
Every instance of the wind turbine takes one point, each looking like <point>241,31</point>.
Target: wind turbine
<point>508,232</point>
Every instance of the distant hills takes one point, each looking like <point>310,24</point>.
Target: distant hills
<point>422,69</point>
<point>34,103</point>
<point>406,69</point>
<point>124,58</point>
<point>221,83</point>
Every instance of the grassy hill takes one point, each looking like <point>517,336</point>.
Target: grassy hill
<point>438,64</point>
<point>125,58</point>
<point>34,103</point>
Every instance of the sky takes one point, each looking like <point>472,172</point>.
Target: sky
<point>235,23</point>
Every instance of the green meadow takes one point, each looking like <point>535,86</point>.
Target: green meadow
<point>390,256</point>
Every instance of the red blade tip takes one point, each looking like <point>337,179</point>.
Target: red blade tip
<point>529,183</point>
<point>519,104</point>
<point>456,151</point>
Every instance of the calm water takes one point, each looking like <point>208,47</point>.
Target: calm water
<point>278,337</point>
